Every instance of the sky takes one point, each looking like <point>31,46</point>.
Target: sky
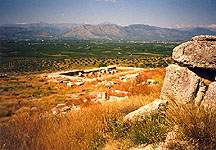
<point>162,13</point>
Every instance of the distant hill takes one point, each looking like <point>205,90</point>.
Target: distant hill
<point>133,32</point>
<point>104,31</point>
<point>20,33</point>
<point>97,32</point>
<point>53,28</point>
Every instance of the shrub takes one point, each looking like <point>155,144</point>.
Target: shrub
<point>102,65</point>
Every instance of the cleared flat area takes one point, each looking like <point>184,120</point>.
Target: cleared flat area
<point>44,92</point>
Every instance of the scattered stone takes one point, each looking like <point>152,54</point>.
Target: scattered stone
<point>99,75</point>
<point>200,52</point>
<point>34,108</point>
<point>132,75</point>
<point>180,84</point>
<point>65,109</point>
<point>70,84</point>
<point>156,106</point>
<point>55,111</point>
<point>74,107</point>
<point>3,75</point>
<point>150,82</point>
<point>103,71</point>
<point>112,82</point>
<point>143,83</point>
<point>91,74</point>
<point>116,98</point>
<point>80,74</point>
<point>58,105</point>
<point>100,100</point>
<point>102,96</point>
<point>118,91</point>
<point>109,85</point>
<point>79,83</point>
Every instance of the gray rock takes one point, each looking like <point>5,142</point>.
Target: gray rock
<point>210,97</point>
<point>79,83</point>
<point>200,52</point>
<point>180,84</point>
<point>141,113</point>
<point>80,74</point>
<point>150,82</point>
<point>70,84</point>
<point>204,38</point>
<point>65,109</point>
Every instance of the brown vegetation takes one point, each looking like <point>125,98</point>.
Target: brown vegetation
<point>95,125</point>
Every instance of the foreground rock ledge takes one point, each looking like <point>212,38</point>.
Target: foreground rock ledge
<point>154,107</point>
<point>200,52</point>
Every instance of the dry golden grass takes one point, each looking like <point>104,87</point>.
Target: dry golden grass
<point>95,126</point>
<point>23,128</point>
<point>83,129</point>
<point>197,124</point>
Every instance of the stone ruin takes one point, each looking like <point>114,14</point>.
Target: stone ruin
<point>90,72</point>
<point>191,80</point>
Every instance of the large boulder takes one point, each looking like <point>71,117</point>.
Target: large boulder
<point>210,97</point>
<point>140,114</point>
<point>180,84</point>
<point>200,52</point>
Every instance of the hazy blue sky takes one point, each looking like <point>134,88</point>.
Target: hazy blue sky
<point>163,13</point>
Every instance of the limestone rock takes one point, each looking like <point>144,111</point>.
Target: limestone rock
<point>200,52</point>
<point>70,84</point>
<point>204,38</point>
<point>180,84</point>
<point>141,113</point>
<point>210,97</point>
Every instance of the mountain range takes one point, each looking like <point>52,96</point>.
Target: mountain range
<point>134,32</point>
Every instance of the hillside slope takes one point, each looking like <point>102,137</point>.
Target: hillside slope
<point>133,32</point>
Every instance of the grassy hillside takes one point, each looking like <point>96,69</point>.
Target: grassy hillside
<point>95,126</point>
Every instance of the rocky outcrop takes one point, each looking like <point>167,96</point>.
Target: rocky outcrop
<point>200,52</point>
<point>154,107</point>
<point>192,79</point>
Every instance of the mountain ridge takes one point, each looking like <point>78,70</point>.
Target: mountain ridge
<point>133,32</point>
<point>104,31</point>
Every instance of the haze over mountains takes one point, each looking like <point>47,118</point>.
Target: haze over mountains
<point>106,31</point>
